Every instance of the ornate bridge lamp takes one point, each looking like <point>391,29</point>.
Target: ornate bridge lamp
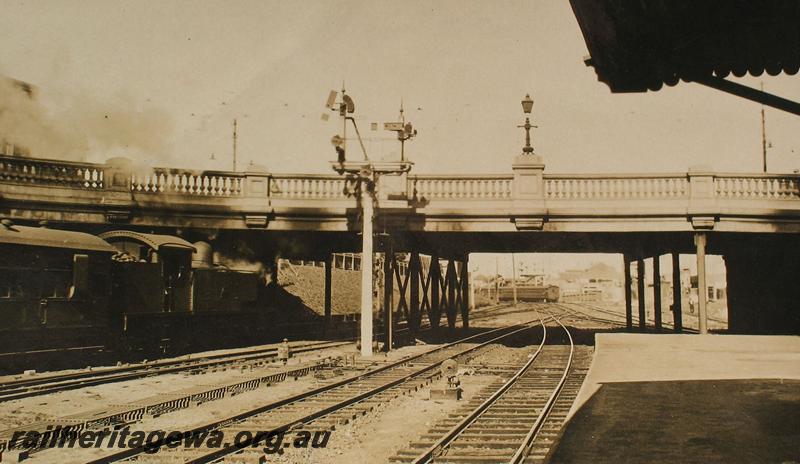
<point>527,107</point>
<point>363,182</point>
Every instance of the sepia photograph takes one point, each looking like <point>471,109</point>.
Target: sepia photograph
<point>407,232</point>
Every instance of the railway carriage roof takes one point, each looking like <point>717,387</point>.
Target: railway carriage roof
<point>153,241</point>
<point>52,238</point>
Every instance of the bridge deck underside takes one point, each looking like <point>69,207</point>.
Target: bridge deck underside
<point>317,245</point>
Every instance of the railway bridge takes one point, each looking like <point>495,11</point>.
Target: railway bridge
<point>751,219</point>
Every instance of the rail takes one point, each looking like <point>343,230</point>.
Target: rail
<point>355,395</point>
<point>522,451</point>
<point>453,433</point>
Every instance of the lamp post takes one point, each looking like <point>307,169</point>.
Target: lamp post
<point>527,107</point>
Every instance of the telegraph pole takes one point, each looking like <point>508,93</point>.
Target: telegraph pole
<point>234,144</point>
<point>763,136</point>
<point>514,278</point>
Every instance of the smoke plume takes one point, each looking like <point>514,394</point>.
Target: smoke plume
<point>78,127</point>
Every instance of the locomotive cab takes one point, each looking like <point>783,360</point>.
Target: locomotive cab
<point>153,274</point>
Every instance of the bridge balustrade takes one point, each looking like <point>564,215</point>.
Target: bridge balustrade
<point>47,172</point>
<point>527,199</point>
<point>756,186</point>
<point>301,187</point>
<point>188,182</point>
<point>461,187</point>
<point>570,187</point>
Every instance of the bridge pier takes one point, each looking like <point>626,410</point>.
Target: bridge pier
<point>451,282</point>
<point>388,295</point>
<point>464,293</point>
<point>657,291</point>
<point>702,291</point>
<point>677,315</point>
<point>328,292</point>
<point>640,291</point>
<point>626,259</point>
<point>414,271</point>
<point>435,278</point>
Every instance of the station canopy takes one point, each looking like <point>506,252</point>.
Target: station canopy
<point>637,46</point>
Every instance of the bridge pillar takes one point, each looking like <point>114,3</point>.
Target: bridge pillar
<point>657,291</point>
<point>640,291</point>
<point>528,192</point>
<point>328,290</point>
<point>414,313</point>
<point>703,209</point>
<point>677,316</point>
<point>117,189</point>
<point>702,289</point>
<point>388,287</point>
<point>465,291</point>
<point>452,282</point>
<point>626,259</point>
<point>435,276</point>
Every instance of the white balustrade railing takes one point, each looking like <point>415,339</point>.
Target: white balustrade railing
<point>756,187</point>
<point>616,187</point>
<point>308,187</point>
<point>51,172</point>
<point>188,183</point>
<point>21,170</point>
<point>461,187</point>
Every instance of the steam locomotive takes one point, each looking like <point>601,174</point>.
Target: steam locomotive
<point>123,290</point>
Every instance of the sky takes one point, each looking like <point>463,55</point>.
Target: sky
<point>460,67</point>
<point>161,82</point>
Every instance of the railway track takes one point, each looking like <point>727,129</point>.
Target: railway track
<point>323,407</point>
<point>28,387</point>
<point>19,388</point>
<point>513,421</point>
<point>580,308</point>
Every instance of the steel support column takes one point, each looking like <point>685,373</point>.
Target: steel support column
<point>388,287</point>
<point>640,291</point>
<point>626,259</point>
<point>413,306</point>
<point>702,290</point>
<point>328,290</point>
<point>677,316</point>
<point>465,291</point>
<point>435,275</point>
<point>657,291</point>
<point>452,283</point>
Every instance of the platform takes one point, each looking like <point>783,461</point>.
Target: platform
<point>687,398</point>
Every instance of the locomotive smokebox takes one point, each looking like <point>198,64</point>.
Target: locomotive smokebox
<point>203,256</point>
